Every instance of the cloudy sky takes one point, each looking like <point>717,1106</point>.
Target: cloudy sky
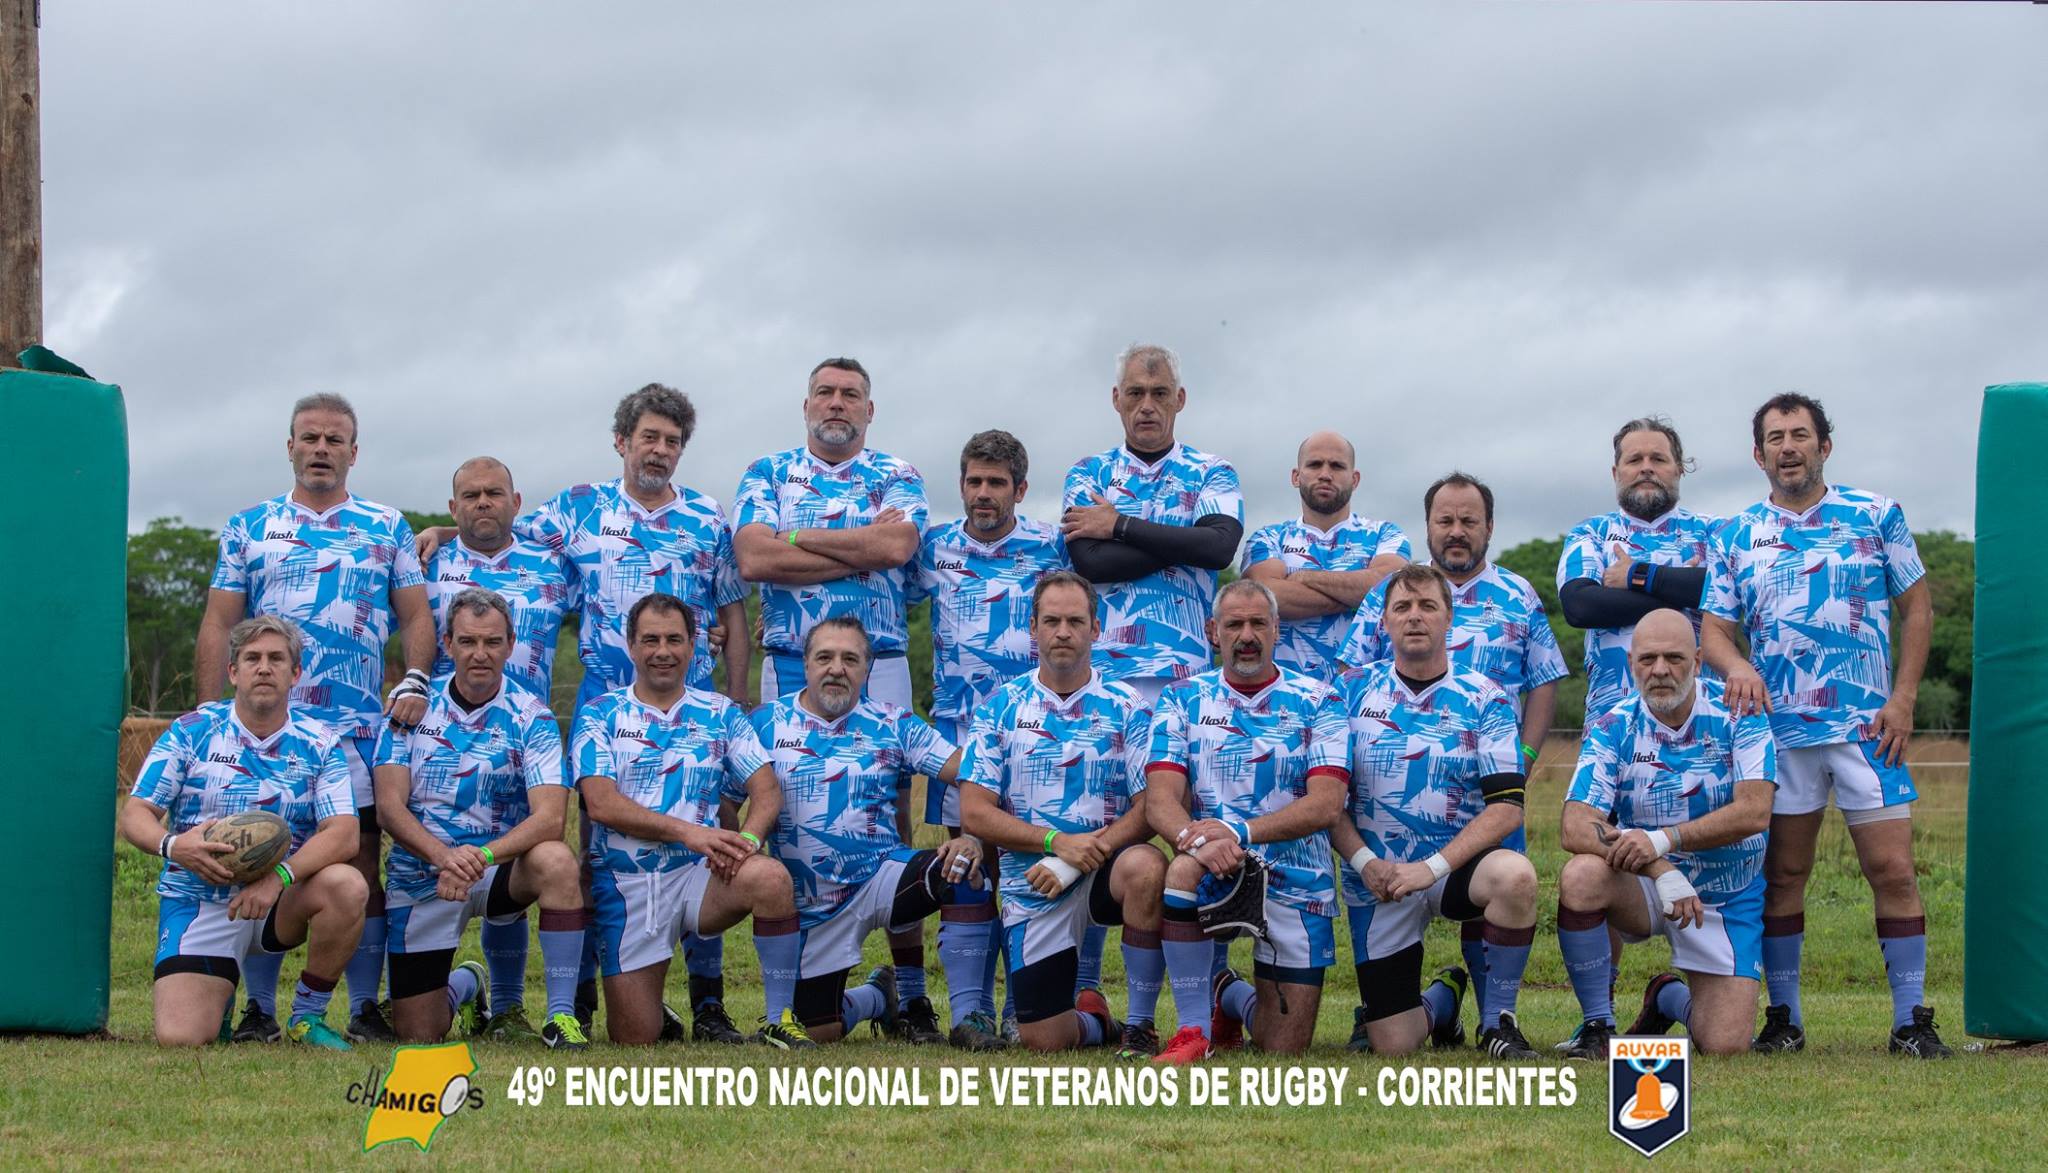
<point>1467,234</point>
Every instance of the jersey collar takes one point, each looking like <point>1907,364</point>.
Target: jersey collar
<point>808,717</point>
<point>478,558</point>
<point>470,717</point>
<point>1831,497</point>
<point>669,716</point>
<point>266,744</point>
<point>1351,522</point>
<point>618,488</point>
<point>1399,684</point>
<point>1256,700</point>
<point>1470,587</point>
<point>1663,732</point>
<point>820,464</point>
<point>991,547</point>
<point>1124,454</point>
<point>307,511</point>
<point>1070,703</point>
<point>1633,522</point>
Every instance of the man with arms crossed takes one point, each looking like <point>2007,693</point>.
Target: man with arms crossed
<point>660,766</point>
<point>1322,564</point>
<point>1053,775</point>
<point>339,568</point>
<point>1248,758</point>
<point>979,573</point>
<point>254,752</point>
<point>539,585</point>
<point>1811,576</point>
<point>1665,821</point>
<point>1425,733</point>
<point>474,799</point>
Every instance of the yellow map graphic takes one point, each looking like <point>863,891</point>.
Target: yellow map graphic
<point>425,1087</point>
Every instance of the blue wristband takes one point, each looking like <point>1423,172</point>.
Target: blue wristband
<point>1650,578</point>
<point>1241,830</point>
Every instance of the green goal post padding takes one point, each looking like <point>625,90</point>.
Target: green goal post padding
<point>2005,922</point>
<point>64,465</point>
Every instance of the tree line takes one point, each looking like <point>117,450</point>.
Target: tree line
<point>171,563</point>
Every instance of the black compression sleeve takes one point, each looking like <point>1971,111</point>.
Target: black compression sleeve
<point>1503,788</point>
<point>1586,603</point>
<point>1210,543</point>
<point>1103,560</point>
<point>1679,586</point>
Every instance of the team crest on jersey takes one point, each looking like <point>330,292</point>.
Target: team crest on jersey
<point>1649,1091</point>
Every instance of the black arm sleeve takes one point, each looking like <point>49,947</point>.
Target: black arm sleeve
<point>1680,586</point>
<point>1503,788</point>
<point>1105,560</point>
<point>1210,543</point>
<point>1588,603</point>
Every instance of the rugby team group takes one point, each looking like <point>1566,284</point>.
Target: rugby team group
<point>1114,741</point>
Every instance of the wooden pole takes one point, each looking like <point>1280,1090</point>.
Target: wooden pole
<point>21,179</point>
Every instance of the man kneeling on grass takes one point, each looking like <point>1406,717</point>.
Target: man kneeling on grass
<point>1665,821</point>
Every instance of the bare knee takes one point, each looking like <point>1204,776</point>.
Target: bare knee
<point>763,880</point>
<point>1184,873</point>
<point>171,1036</point>
<point>1891,872</point>
<point>340,889</point>
<point>1513,880</point>
<point>1582,885</point>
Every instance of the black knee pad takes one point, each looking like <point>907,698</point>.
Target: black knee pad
<point>1391,985</point>
<point>1045,988</point>
<point>413,974</point>
<point>816,1001</point>
<point>220,967</point>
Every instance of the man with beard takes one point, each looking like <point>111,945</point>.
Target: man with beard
<point>664,769</point>
<point>1321,565</point>
<point>1647,555</point>
<point>1498,627</point>
<point>844,763</point>
<point>1053,774</point>
<point>1425,733</point>
<point>1248,758</point>
<point>626,539</point>
<point>1665,821</point>
<point>830,529</point>
<point>1811,576</point>
<point>1150,523</point>
<point>340,568</point>
<point>979,573</point>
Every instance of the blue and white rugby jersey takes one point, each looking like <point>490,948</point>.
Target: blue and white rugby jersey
<point>1073,764</point>
<point>796,490</point>
<point>841,781</point>
<point>1311,645</point>
<point>1247,756</point>
<point>679,763</point>
<point>208,766</point>
<point>1417,758</point>
<point>1498,626</point>
<point>333,574</point>
<point>981,607</point>
<point>537,583</point>
<point>621,553</point>
<point>470,772</point>
<point>1678,538</point>
<point>1157,625</point>
<point>1814,593</point>
<point>1645,774</point>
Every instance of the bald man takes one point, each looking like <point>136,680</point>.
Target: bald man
<point>1665,823</point>
<point>1322,564</point>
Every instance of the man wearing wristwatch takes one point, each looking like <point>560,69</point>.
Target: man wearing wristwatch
<point>1428,735</point>
<point>255,752</point>
<point>474,799</point>
<point>341,569</point>
<point>661,766</point>
<point>844,763</point>
<point>1649,554</point>
<point>1665,820</point>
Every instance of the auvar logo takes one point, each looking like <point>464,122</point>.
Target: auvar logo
<point>425,1086</point>
<point>1649,1091</point>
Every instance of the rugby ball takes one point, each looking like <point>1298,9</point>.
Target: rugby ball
<point>259,841</point>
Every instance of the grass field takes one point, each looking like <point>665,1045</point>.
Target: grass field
<point>1844,1103</point>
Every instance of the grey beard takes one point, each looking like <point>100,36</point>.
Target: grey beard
<point>831,711</point>
<point>834,433</point>
<point>1648,501</point>
<point>1668,704</point>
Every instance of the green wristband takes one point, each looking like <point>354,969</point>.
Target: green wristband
<point>284,874</point>
<point>489,859</point>
<point>792,537</point>
<point>1049,836</point>
<point>752,838</point>
<point>1528,751</point>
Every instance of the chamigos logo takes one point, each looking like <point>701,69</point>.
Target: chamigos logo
<point>1649,1091</point>
<point>425,1086</point>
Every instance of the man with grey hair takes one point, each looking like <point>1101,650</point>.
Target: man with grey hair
<point>343,569</point>
<point>257,751</point>
<point>1322,564</point>
<point>979,573</point>
<point>1649,554</point>
<point>1150,523</point>
<point>624,540</point>
<point>1248,758</point>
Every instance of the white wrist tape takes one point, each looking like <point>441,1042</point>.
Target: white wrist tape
<point>1438,866</point>
<point>1063,871</point>
<point>1360,858</point>
<point>1660,842</point>
<point>1673,887</point>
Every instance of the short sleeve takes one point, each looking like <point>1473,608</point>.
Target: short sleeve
<point>1393,541</point>
<point>1720,596</point>
<point>405,560</point>
<point>924,748</point>
<point>231,570</point>
<point>905,491</point>
<point>744,754</point>
<point>1902,566</point>
<point>1137,746</point>
<point>590,743</point>
<point>1363,642</point>
<point>541,751</point>
<point>391,748</point>
<point>982,761</point>
<point>1500,735</point>
<point>1756,751</point>
<point>1221,493</point>
<point>1329,733</point>
<point>1262,546</point>
<point>548,525</point>
<point>1582,557</point>
<point>334,794</point>
<point>727,585</point>
<point>1542,659</point>
<point>1168,743</point>
<point>1081,485</point>
<point>1593,782</point>
<point>755,502</point>
<point>163,772</point>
